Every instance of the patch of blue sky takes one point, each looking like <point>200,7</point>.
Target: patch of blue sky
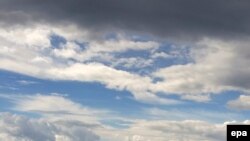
<point>220,102</point>
<point>8,81</point>
<point>223,97</point>
<point>133,53</point>
<point>4,105</point>
<point>57,40</point>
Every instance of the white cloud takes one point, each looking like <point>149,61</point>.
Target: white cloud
<point>69,50</point>
<point>132,62</point>
<point>95,48</point>
<point>20,128</point>
<point>32,37</point>
<point>217,66</point>
<point>64,120</point>
<point>161,55</point>
<point>162,130</point>
<point>54,107</point>
<point>241,103</point>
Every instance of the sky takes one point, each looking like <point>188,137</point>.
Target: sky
<point>123,70</point>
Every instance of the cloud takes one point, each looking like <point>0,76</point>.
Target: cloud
<point>174,19</point>
<point>64,120</point>
<point>161,55</point>
<point>217,66</point>
<point>20,128</point>
<point>72,50</point>
<point>160,130</point>
<point>16,127</point>
<point>132,62</point>
<point>36,37</point>
<point>26,82</point>
<point>56,124</point>
<point>241,103</point>
<point>54,107</point>
<point>122,45</point>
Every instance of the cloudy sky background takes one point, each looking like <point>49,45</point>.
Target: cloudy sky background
<point>113,70</point>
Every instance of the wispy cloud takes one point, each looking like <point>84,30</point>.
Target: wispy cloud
<point>26,82</point>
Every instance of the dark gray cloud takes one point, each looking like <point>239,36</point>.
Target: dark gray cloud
<point>166,18</point>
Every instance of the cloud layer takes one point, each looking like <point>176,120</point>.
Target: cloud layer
<point>179,19</point>
<point>20,128</point>
<point>217,66</point>
<point>55,124</point>
<point>16,128</point>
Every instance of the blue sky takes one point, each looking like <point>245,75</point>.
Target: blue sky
<point>126,71</point>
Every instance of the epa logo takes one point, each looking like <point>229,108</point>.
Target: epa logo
<point>238,132</point>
